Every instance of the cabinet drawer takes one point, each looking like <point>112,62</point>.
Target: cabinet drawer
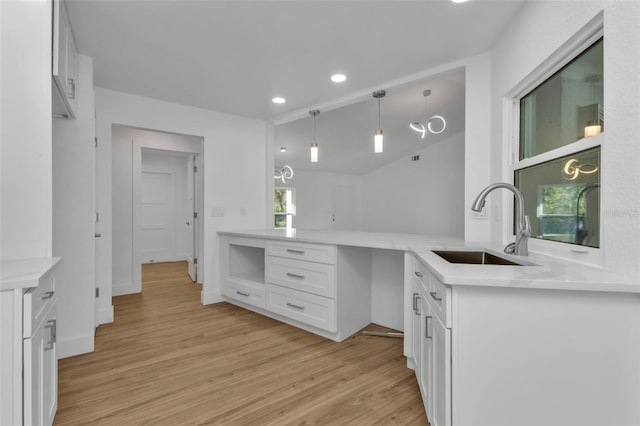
<point>316,278</point>
<point>308,308</point>
<point>36,301</point>
<point>421,274</point>
<point>440,299</point>
<point>308,252</point>
<point>247,293</point>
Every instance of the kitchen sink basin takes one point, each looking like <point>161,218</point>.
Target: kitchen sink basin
<point>476,257</point>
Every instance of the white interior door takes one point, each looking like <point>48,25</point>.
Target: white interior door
<point>343,208</point>
<point>157,236</point>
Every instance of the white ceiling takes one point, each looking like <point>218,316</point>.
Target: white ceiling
<point>234,56</point>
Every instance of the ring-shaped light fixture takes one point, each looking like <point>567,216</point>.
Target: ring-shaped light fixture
<point>419,127</point>
<point>437,117</point>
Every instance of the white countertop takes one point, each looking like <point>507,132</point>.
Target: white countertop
<point>547,272</point>
<point>24,273</point>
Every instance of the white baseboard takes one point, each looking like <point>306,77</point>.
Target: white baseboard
<point>209,298</point>
<point>122,289</point>
<point>74,346</point>
<point>105,315</point>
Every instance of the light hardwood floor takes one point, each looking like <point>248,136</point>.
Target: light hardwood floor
<point>168,360</point>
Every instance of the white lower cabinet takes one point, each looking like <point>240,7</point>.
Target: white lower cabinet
<point>29,366</point>
<point>325,289</point>
<point>41,379</point>
<point>431,350</point>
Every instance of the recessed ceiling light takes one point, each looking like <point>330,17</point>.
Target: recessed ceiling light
<point>283,149</point>
<point>278,100</point>
<point>459,1</point>
<point>338,78</point>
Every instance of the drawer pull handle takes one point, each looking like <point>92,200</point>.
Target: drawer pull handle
<point>418,274</point>
<point>52,325</point>
<point>301,308</point>
<point>415,302</point>
<point>426,327</point>
<point>48,295</point>
<point>434,296</point>
<point>295,251</point>
<point>289,274</point>
<point>242,293</point>
<point>417,312</point>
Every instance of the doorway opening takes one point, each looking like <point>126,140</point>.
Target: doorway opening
<point>158,191</point>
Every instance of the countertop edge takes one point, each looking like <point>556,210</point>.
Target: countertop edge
<point>25,273</point>
<point>547,273</point>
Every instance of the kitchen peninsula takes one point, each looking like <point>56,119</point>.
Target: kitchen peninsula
<point>490,344</point>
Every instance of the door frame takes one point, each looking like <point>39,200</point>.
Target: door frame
<point>137,146</point>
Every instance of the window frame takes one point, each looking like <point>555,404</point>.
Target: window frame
<point>291,206</point>
<point>573,48</point>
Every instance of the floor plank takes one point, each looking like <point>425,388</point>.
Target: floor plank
<point>168,360</point>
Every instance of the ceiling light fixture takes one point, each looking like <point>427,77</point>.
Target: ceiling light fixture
<point>284,174</point>
<point>314,145</point>
<point>338,78</point>
<point>459,1</point>
<point>378,138</point>
<point>423,129</point>
<point>283,149</point>
<point>278,100</point>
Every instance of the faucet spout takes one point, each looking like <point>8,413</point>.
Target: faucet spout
<point>524,228</point>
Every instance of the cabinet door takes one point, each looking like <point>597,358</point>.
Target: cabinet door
<point>34,350</point>
<point>416,329</point>
<point>50,369</point>
<point>41,373</point>
<point>72,70</point>
<point>440,374</point>
<point>426,375</point>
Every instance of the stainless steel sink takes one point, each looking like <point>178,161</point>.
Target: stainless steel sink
<point>476,257</point>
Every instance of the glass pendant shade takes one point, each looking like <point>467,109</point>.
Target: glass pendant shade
<point>314,152</point>
<point>378,141</point>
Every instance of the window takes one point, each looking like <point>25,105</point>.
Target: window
<point>558,171</point>
<point>284,208</point>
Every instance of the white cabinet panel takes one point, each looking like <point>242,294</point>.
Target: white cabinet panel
<point>311,277</point>
<point>310,309</point>
<point>300,251</point>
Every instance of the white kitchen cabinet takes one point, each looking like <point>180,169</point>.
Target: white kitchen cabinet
<point>29,366</point>
<point>64,64</point>
<point>430,354</point>
<point>521,356</point>
<point>41,378</point>
<point>324,289</point>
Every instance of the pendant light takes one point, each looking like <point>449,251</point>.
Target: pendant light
<point>314,144</point>
<point>378,139</point>
<point>423,129</point>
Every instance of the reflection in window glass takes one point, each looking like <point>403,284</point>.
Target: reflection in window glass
<point>566,107</point>
<point>284,207</point>
<point>562,198</point>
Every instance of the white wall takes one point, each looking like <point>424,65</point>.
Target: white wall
<point>314,197</point>
<point>127,145</point>
<point>427,194</point>
<point>73,219</point>
<point>234,170</point>
<point>539,30</point>
<point>25,129</point>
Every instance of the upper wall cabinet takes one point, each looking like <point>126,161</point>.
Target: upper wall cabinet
<point>64,64</point>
